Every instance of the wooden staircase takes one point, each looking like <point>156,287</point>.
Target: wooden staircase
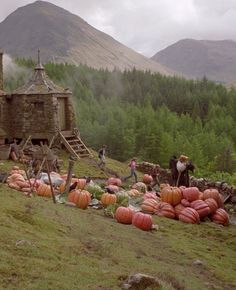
<point>74,144</point>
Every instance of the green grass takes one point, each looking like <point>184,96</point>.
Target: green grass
<point>69,248</point>
<point>47,246</point>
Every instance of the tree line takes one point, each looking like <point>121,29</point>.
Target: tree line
<point>151,116</point>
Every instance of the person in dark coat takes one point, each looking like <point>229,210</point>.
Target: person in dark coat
<point>174,173</point>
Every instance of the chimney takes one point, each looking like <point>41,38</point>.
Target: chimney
<point>1,71</point>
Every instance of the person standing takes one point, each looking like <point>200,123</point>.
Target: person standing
<point>132,165</point>
<point>174,173</point>
<point>101,156</point>
<point>154,172</point>
<point>14,151</point>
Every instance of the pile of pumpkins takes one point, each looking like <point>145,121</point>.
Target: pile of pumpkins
<point>188,205</point>
<point>17,180</point>
<point>185,204</point>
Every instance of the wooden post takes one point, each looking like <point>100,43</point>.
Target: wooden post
<point>69,175</point>
<point>43,161</point>
<point>48,172</point>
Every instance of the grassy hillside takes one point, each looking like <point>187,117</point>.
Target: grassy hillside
<point>47,246</point>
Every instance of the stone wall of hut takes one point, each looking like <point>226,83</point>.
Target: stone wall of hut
<point>34,115</point>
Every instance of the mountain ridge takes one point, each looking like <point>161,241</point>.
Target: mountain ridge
<point>65,37</point>
<point>214,59</point>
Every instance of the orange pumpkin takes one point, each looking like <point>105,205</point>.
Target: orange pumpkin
<point>165,209</point>
<point>212,193</point>
<point>142,221</point>
<point>191,193</point>
<point>140,186</point>
<point>134,192</point>
<point>152,195</point>
<point>212,204</point>
<point>108,198</point>
<point>200,195</point>
<point>83,199</point>
<point>185,202</point>
<point>171,195</point>
<point>113,188</point>
<point>189,215</point>
<point>201,207</point>
<point>62,187</point>
<point>114,181</point>
<point>44,190</point>
<point>220,217</point>
<point>147,179</point>
<point>149,205</point>
<point>124,215</point>
<point>178,208</point>
<point>73,196</point>
<point>81,183</point>
<point>163,185</point>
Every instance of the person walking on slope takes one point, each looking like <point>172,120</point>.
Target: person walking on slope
<point>101,156</point>
<point>132,165</point>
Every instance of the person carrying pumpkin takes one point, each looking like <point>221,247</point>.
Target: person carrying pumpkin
<point>132,165</point>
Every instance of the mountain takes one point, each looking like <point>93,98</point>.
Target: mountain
<point>65,37</point>
<point>198,58</point>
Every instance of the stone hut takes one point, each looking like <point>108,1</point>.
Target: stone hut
<point>40,108</point>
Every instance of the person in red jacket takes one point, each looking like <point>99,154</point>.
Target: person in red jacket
<point>132,165</point>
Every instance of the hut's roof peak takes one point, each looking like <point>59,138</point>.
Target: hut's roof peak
<point>40,83</point>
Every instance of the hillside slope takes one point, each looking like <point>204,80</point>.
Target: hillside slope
<point>58,247</point>
<point>65,37</point>
<point>198,58</point>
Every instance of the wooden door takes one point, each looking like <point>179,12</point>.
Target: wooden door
<point>62,113</point>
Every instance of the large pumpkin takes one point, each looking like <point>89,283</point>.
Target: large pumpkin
<point>134,192</point>
<point>189,215</point>
<point>147,179</point>
<point>201,207</point>
<point>171,195</point>
<point>114,181</point>
<point>150,194</point>
<point>163,185</point>
<point>165,209</point>
<point>212,204</point>
<point>178,208</point>
<point>142,221</point>
<point>213,193</point>
<point>185,202</point>
<point>124,215</point>
<point>81,183</point>
<point>83,199</point>
<point>149,205</point>
<point>44,190</point>
<point>73,195</point>
<point>191,193</point>
<point>140,186</point>
<point>113,188</point>
<point>108,198</point>
<point>220,217</point>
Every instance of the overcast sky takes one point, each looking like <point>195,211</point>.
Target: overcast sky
<point>148,26</point>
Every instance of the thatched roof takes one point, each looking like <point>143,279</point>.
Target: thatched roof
<point>40,84</point>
